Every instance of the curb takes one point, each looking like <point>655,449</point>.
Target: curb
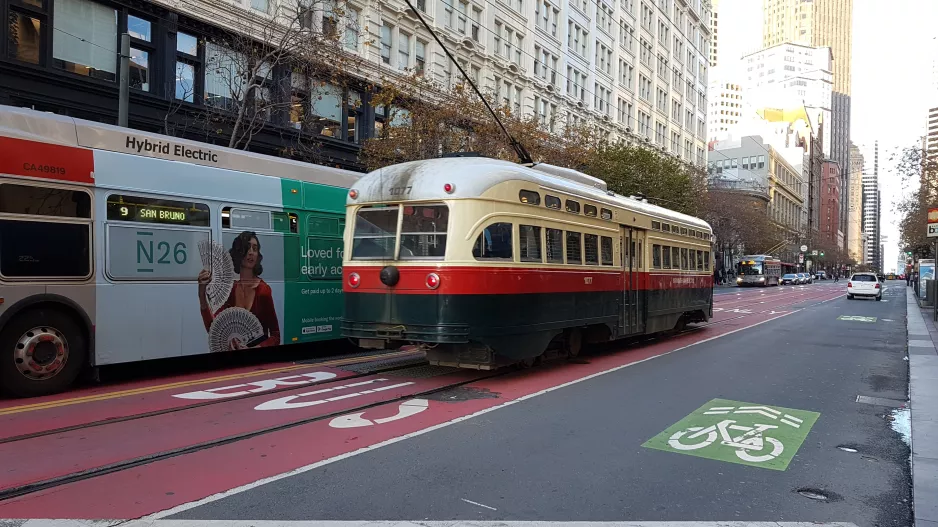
<point>923,394</point>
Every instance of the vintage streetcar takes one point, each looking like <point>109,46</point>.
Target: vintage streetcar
<point>486,263</point>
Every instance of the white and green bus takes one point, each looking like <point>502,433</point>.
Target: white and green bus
<point>120,246</point>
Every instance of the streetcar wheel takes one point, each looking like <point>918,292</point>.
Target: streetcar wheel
<point>42,351</point>
<point>527,363</point>
<point>573,344</point>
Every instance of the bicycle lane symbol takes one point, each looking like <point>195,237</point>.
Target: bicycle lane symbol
<point>737,432</point>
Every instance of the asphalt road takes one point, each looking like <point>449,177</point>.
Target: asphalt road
<point>577,454</point>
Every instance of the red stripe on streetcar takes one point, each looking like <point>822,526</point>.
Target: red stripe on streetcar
<point>514,280</point>
<point>20,157</point>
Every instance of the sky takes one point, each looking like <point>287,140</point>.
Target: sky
<point>894,44</point>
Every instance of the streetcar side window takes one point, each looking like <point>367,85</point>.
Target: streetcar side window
<point>700,260</point>
<point>666,257</point>
<point>49,248</point>
<point>589,210</point>
<point>706,260</point>
<point>529,242</point>
<point>552,202</point>
<point>684,264</point>
<point>554,246</point>
<point>656,225</point>
<point>573,206</point>
<point>530,197</point>
<point>683,231</point>
<point>423,231</point>
<point>665,227</point>
<point>605,246</point>
<point>574,248</point>
<point>494,243</point>
<point>641,257</point>
<point>591,248</point>
<point>605,214</point>
<point>375,233</point>
<point>675,258</point>
<point>656,256</point>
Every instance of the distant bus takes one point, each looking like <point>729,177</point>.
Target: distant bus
<point>119,246</point>
<point>760,270</point>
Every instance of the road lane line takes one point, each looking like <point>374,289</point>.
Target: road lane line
<point>479,504</point>
<point>422,523</point>
<point>244,488</point>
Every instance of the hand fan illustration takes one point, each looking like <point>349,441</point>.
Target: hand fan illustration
<point>234,323</point>
<point>215,257</point>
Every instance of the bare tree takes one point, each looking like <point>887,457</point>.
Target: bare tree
<point>282,70</point>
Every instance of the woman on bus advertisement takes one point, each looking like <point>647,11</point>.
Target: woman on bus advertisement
<point>248,292</point>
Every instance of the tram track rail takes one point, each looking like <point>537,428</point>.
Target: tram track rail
<point>164,411</point>
<point>78,476</point>
<point>39,485</point>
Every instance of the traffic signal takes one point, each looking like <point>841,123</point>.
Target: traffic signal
<point>822,253</point>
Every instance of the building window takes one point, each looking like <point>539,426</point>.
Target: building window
<point>25,37</point>
<point>261,5</point>
<point>386,43</point>
<point>351,29</point>
<point>420,57</point>
<point>403,51</point>
<point>187,50</point>
<point>85,39</point>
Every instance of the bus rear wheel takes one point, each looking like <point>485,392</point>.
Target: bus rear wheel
<point>42,351</point>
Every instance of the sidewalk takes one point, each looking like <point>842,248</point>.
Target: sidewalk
<point>923,380</point>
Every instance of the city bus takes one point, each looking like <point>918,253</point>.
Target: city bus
<point>761,270</point>
<point>119,246</point>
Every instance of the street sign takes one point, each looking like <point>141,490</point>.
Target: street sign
<point>800,257</point>
<point>814,252</point>
<point>932,230</point>
<point>804,248</point>
<point>932,215</point>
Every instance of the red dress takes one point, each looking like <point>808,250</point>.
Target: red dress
<point>262,308</point>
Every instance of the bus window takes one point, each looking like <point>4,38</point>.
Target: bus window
<point>529,242</point>
<point>530,197</point>
<point>25,251</point>
<point>684,264</point>
<point>375,232</point>
<point>247,219</point>
<point>589,210</point>
<point>44,201</point>
<point>573,206</point>
<point>494,242</point>
<point>552,202</point>
<point>286,223</point>
<point>423,231</point>
<point>574,248</point>
<point>605,246</point>
<point>665,257</point>
<point>321,225</point>
<point>25,248</point>
<point>750,267</point>
<point>554,246</point>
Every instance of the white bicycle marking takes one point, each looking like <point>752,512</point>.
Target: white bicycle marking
<point>749,445</point>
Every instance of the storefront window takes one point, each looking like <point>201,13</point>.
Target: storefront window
<point>138,28</point>
<point>327,111</point>
<point>185,82</point>
<point>139,69</point>
<point>85,38</point>
<point>25,34</point>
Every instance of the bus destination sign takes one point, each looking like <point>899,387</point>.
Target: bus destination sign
<point>149,210</point>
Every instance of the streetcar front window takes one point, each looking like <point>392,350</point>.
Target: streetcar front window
<point>750,269</point>
<point>375,233</point>
<point>423,231</point>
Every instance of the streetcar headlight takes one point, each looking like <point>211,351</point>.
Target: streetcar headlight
<point>762,279</point>
<point>740,279</point>
<point>433,280</point>
<point>354,280</point>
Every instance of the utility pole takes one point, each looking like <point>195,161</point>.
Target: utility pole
<point>123,101</point>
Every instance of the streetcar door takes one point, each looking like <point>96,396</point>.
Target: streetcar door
<point>626,311</point>
<point>639,277</point>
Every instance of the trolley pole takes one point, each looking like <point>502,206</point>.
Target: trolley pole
<point>123,100</point>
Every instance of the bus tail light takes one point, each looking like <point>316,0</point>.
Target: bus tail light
<point>354,280</point>
<point>433,280</point>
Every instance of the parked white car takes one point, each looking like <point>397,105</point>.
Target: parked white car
<point>864,284</point>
